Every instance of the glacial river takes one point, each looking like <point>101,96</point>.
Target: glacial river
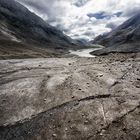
<point>83,52</point>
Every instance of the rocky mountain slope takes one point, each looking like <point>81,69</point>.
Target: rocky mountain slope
<point>125,38</point>
<point>24,33</point>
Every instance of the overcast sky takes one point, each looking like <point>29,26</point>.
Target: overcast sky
<point>83,19</point>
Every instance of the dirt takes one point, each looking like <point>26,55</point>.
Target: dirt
<point>70,98</point>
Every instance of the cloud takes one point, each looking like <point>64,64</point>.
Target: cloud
<point>80,3</point>
<point>99,15</point>
<point>84,18</point>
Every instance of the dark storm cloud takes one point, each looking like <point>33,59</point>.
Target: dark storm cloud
<point>80,3</point>
<point>99,15</point>
<point>118,14</point>
<point>111,25</point>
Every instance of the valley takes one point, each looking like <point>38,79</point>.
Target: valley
<point>56,83</point>
<point>85,52</point>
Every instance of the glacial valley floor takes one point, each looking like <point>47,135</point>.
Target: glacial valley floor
<point>70,98</point>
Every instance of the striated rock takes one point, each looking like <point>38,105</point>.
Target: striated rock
<point>45,102</point>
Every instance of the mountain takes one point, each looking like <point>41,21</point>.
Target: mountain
<point>125,38</point>
<point>24,33</point>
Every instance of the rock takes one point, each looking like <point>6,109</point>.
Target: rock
<point>66,129</point>
<point>51,102</point>
<point>100,75</point>
<point>137,86</point>
<point>86,122</point>
<point>54,135</point>
<point>138,79</point>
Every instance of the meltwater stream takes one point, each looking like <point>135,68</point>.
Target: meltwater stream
<point>83,52</point>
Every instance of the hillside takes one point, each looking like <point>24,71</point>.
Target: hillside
<point>125,38</point>
<point>24,34</point>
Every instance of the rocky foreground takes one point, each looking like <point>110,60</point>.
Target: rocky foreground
<point>70,98</point>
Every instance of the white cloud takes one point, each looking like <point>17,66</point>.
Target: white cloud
<point>71,17</point>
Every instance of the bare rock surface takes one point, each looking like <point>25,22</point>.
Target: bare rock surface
<point>70,98</point>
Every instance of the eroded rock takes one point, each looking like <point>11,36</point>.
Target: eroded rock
<point>69,102</point>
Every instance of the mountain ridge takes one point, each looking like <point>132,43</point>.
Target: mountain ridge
<point>125,38</point>
<point>19,25</point>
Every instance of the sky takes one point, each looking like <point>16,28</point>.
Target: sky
<point>83,19</point>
